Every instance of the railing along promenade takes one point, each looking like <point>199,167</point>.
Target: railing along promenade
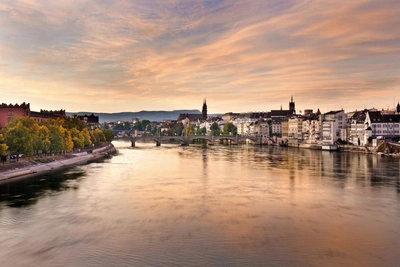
<point>185,140</point>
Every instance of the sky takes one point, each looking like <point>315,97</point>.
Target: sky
<point>239,55</point>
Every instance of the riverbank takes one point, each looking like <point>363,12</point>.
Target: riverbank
<point>382,149</point>
<point>28,168</point>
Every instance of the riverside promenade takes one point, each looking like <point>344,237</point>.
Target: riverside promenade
<point>33,168</point>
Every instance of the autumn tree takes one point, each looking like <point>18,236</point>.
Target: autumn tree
<point>3,149</point>
<point>189,129</point>
<point>42,141</point>
<point>87,137</point>
<point>19,140</point>
<point>56,137</point>
<point>68,144</point>
<point>77,138</point>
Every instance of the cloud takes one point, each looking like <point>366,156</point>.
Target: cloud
<point>255,54</point>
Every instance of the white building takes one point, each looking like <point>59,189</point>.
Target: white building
<point>295,128</point>
<point>311,131</point>
<point>333,123</point>
<point>385,125</point>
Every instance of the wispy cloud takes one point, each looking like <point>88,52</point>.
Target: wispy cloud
<point>241,55</point>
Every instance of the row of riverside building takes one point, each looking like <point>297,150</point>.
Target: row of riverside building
<point>10,111</point>
<point>357,127</point>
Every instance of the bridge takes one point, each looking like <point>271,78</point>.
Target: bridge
<point>187,139</point>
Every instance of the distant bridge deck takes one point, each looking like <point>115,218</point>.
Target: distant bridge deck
<point>187,139</point>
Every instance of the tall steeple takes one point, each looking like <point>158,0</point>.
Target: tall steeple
<point>292,106</point>
<point>204,109</point>
<point>398,108</point>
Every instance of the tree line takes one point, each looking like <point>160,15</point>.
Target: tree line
<point>53,136</point>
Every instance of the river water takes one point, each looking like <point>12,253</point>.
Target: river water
<point>207,206</point>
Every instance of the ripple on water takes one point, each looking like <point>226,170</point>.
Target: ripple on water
<point>208,206</point>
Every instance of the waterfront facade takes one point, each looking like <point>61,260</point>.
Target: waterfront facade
<point>383,125</point>
<point>333,123</point>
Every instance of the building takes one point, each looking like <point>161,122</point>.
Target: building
<point>47,114</point>
<point>9,112</point>
<point>333,123</point>
<point>356,127</point>
<point>276,127</point>
<point>311,130</point>
<point>91,119</point>
<point>295,128</point>
<point>279,116</point>
<point>383,125</point>
<point>194,118</point>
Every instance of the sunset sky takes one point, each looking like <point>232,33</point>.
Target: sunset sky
<point>241,55</point>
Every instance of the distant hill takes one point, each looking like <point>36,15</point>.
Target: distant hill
<point>142,115</point>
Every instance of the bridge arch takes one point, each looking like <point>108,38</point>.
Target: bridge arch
<point>185,140</point>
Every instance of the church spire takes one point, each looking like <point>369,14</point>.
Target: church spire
<point>204,109</point>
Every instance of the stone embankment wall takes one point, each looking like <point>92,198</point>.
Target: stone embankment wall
<point>41,168</point>
<point>358,149</point>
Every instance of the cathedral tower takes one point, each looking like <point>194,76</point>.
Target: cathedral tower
<point>204,110</point>
<point>291,106</point>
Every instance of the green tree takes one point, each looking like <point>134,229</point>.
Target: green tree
<point>215,129</point>
<point>19,139</point>
<point>201,131</point>
<point>127,126</point>
<point>138,126</point>
<point>73,122</point>
<point>97,137</point>
<point>229,128</point>
<point>178,128</point>
<point>145,123</point>
<point>108,135</point>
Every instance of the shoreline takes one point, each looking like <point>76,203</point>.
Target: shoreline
<point>56,165</point>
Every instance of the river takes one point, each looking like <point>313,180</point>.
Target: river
<point>207,206</point>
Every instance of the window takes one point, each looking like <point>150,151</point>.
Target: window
<point>11,113</point>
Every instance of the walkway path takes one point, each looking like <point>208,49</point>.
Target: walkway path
<point>33,168</point>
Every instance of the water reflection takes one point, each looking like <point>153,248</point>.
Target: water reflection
<point>208,206</point>
<point>25,192</point>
